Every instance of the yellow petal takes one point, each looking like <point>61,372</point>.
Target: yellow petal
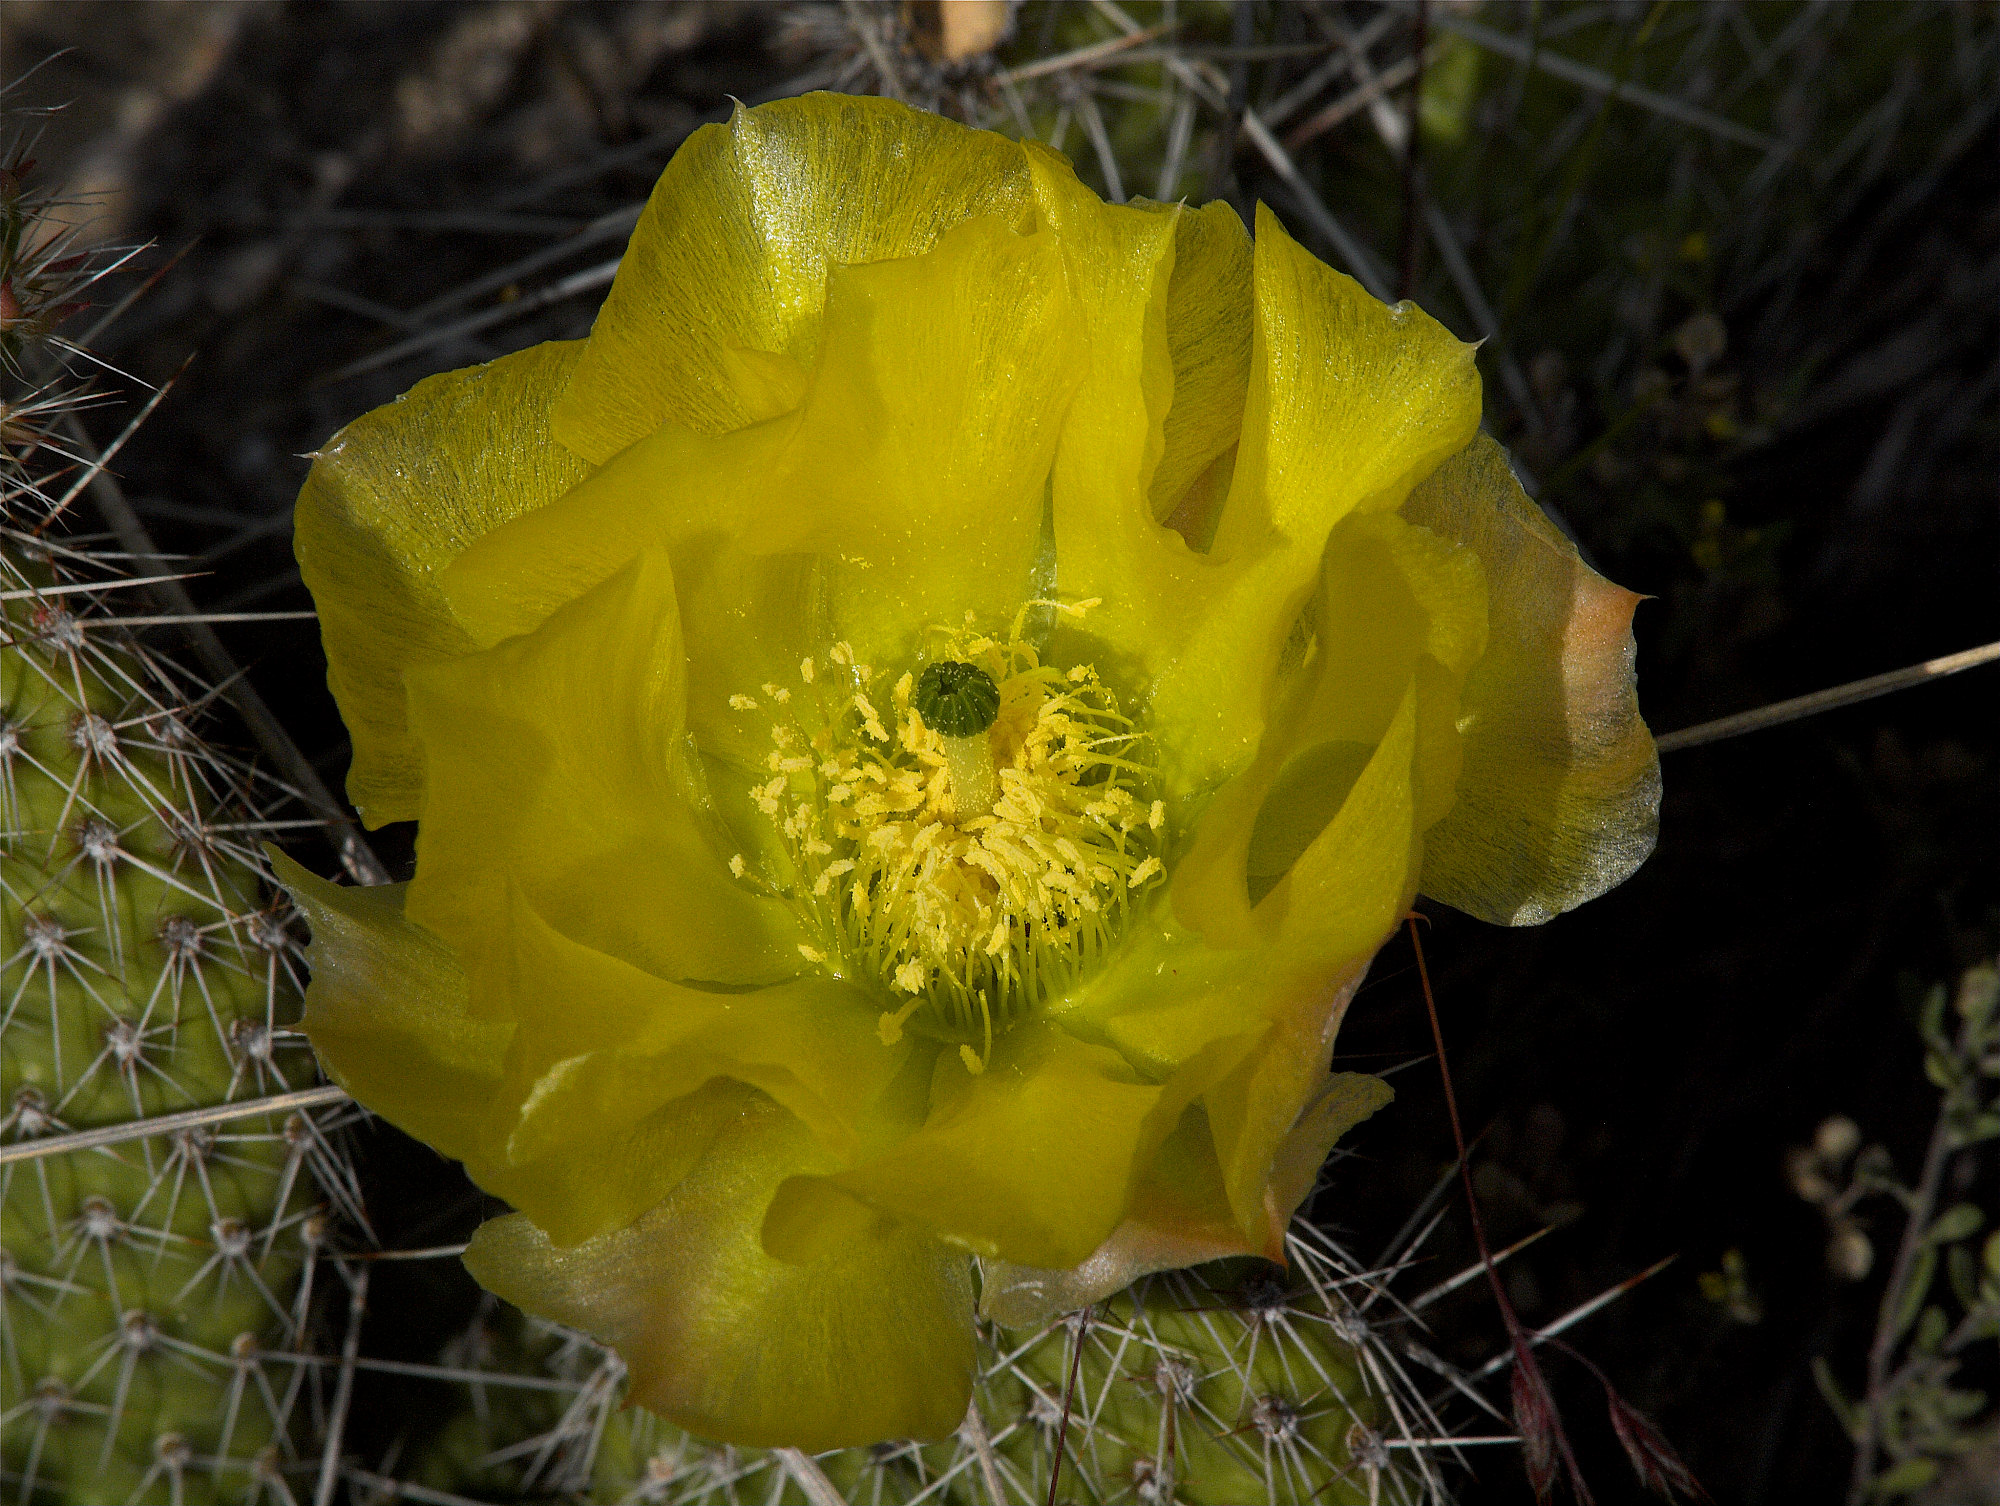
<point>1351,403</point>
<point>1276,1116</point>
<point>1559,796</point>
<point>1351,886</point>
<point>753,615</point>
<point>907,490</point>
<point>391,500</point>
<point>386,1011</point>
<point>1210,298</point>
<point>734,247</point>
<point>1109,544</point>
<point>922,460</point>
<point>1315,933</point>
<point>1400,615</point>
<point>1180,1216</point>
<point>1342,1101</point>
<point>557,764</point>
<point>603,1052</point>
<point>720,1338</point>
<point>1048,1112</point>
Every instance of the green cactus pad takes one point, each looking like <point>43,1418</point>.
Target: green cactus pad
<point>151,1286</point>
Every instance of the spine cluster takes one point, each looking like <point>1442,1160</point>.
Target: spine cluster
<point>161,1218</point>
<point>1227,1384</point>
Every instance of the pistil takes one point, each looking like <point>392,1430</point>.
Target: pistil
<point>960,702</point>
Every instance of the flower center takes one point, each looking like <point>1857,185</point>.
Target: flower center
<point>975,850</point>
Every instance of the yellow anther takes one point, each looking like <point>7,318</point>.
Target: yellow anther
<point>742,703</point>
<point>812,954</point>
<point>975,903</point>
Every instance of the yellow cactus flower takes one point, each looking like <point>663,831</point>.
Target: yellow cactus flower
<point>917,727</point>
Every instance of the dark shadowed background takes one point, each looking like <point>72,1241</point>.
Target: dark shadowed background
<point>1762,387</point>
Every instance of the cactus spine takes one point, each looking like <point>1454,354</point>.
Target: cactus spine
<point>153,1290</point>
<point>1226,1384</point>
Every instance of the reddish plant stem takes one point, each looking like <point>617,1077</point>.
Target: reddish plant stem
<point>1069,1395</point>
<point>1517,1337</point>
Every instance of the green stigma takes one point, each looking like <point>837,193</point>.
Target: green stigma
<point>956,700</point>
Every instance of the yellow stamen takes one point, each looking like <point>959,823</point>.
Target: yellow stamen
<point>968,763</point>
<point>974,877</point>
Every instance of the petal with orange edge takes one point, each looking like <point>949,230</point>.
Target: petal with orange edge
<point>1559,796</point>
<point>1181,1214</point>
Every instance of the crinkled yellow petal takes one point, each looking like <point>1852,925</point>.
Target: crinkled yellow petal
<point>734,248</point>
<point>1351,401</point>
<point>753,615</point>
<point>906,491</point>
<point>391,500</point>
<point>386,1011</point>
<point>1350,404</point>
<point>1356,880</point>
<point>603,1049</point>
<point>1033,1159</point>
<point>1560,792</point>
<point>1109,544</point>
<point>605,1172</point>
<point>1246,1036</point>
<point>1209,304</point>
<point>1401,614</point>
<point>920,469</point>
<point>1247,1033</point>
<point>1313,936</point>
<point>1181,1214</point>
<point>873,1342</point>
<point>558,764</point>
<point>1263,1117</point>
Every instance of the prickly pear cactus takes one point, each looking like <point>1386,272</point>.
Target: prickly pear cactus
<point>153,1291</point>
<point>144,975</point>
<point>1229,1384</point>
